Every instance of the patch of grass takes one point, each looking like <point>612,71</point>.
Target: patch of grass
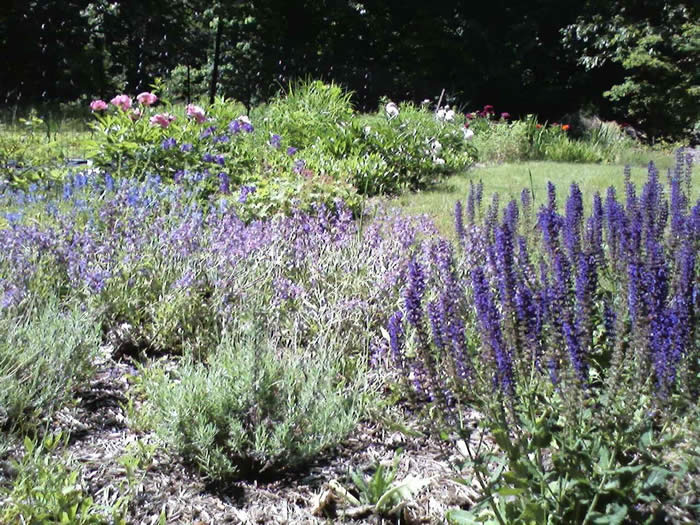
<point>508,180</point>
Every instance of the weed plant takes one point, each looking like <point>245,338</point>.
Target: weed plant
<point>47,488</point>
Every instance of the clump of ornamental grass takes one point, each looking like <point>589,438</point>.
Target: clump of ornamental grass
<point>576,336</point>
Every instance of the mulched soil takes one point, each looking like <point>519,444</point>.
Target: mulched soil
<point>100,437</point>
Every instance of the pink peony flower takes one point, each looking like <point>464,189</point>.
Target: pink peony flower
<point>123,102</point>
<point>135,114</point>
<point>195,112</point>
<point>147,99</point>
<point>98,105</point>
<point>161,119</point>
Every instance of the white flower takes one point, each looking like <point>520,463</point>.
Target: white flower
<point>440,115</point>
<point>244,118</point>
<point>392,110</point>
<point>439,161</point>
<point>449,115</point>
<point>437,147</point>
<point>367,130</point>
<point>468,134</point>
<point>426,102</point>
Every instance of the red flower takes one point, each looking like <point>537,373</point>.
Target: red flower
<point>565,127</point>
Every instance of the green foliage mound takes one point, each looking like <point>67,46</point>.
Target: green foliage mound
<point>43,355</point>
<point>254,407</point>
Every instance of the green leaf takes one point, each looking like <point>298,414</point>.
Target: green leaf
<point>401,492</point>
<point>462,517</point>
<point>510,491</point>
<point>615,515</point>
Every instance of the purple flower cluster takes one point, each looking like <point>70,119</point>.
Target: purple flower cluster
<point>623,280</point>
<point>124,243</point>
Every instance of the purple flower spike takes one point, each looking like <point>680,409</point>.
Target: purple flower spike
<point>490,323</point>
<point>396,337</point>
<point>459,221</point>
<point>245,191</point>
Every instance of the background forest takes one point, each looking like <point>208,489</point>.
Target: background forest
<point>629,60</point>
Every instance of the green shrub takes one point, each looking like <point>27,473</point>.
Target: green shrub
<point>558,461</point>
<point>42,355</point>
<point>255,406</point>
<point>29,155</point>
<point>564,149</point>
<point>502,141</point>
<point>307,111</point>
<point>412,151</point>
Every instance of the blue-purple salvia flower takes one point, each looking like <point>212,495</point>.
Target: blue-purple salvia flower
<point>291,150</point>
<point>549,222</point>
<point>168,143</point>
<point>275,140</point>
<point>573,222</point>
<point>244,192</point>
<point>459,221</point>
<point>299,165</point>
<point>490,323</point>
<point>207,132</point>
<point>395,328</point>
<point>224,183</point>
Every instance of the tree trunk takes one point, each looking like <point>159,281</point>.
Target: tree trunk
<point>215,69</point>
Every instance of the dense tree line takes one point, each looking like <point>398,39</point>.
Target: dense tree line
<point>628,59</point>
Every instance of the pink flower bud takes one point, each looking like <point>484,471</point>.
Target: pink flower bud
<point>146,98</point>
<point>123,102</point>
<point>135,115</point>
<point>98,105</point>
<point>195,112</point>
<point>161,119</point>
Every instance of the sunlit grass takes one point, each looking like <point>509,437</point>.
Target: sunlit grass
<point>508,180</point>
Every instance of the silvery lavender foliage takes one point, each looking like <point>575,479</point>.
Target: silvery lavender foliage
<point>136,247</point>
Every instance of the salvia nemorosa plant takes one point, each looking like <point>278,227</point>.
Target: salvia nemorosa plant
<point>580,300</point>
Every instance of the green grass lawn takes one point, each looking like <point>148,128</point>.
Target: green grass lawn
<point>509,179</point>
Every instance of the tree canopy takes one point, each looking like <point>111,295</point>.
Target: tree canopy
<point>626,59</point>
